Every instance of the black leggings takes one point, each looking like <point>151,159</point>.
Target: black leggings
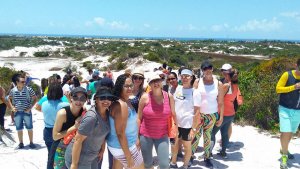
<point>2,113</point>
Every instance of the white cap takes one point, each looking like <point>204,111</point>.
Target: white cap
<point>186,72</point>
<point>226,66</point>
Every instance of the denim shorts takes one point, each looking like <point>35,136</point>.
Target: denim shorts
<point>289,119</point>
<point>22,118</point>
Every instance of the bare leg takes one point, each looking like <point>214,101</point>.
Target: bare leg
<point>174,151</point>
<point>30,135</point>
<point>285,139</point>
<point>229,131</point>
<point>187,145</point>
<point>117,164</point>
<point>20,136</point>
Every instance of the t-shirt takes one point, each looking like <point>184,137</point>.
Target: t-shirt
<point>184,106</point>
<point>20,98</point>
<point>66,88</point>
<point>45,98</point>
<point>50,109</point>
<point>92,87</point>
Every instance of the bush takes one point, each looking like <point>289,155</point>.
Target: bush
<point>152,57</point>
<point>41,54</point>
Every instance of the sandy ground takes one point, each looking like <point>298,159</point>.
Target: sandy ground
<point>248,149</point>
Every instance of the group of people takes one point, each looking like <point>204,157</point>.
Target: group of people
<point>130,118</point>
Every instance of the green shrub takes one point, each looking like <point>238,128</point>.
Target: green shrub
<point>41,54</point>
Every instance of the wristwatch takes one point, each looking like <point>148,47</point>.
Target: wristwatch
<point>194,129</point>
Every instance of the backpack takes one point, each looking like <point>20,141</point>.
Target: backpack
<point>15,89</point>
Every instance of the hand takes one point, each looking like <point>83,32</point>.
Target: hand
<point>297,85</point>
<point>27,110</point>
<point>219,122</point>
<point>73,166</point>
<point>14,109</point>
<point>100,155</point>
<point>138,144</point>
<point>130,162</point>
<point>192,134</point>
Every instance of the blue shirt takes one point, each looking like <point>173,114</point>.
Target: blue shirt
<point>50,109</point>
<point>131,130</point>
<point>45,98</point>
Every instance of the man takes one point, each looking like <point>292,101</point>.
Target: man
<point>289,109</point>
<point>21,100</point>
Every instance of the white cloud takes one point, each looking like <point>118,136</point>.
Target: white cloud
<point>118,25</point>
<point>294,15</point>
<point>218,28</point>
<point>262,25</point>
<point>18,22</point>
<point>99,20</point>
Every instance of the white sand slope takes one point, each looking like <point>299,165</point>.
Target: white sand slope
<point>248,149</point>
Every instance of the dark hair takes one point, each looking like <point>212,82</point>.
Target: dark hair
<point>298,62</point>
<point>164,65</point>
<point>119,84</point>
<point>55,91</point>
<point>44,84</point>
<point>173,73</point>
<point>19,77</point>
<point>76,81</point>
<point>193,79</point>
<point>66,78</point>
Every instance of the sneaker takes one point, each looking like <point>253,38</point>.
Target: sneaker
<point>208,163</point>
<point>173,165</point>
<point>223,154</point>
<point>20,146</point>
<point>290,156</point>
<point>32,146</point>
<point>283,163</point>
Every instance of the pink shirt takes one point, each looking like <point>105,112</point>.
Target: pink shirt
<point>155,118</point>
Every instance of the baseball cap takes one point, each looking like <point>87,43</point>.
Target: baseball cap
<point>206,64</point>
<point>186,72</point>
<point>78,90</point>
<point>105,92</point>
<point>226,66</point>
<point>138,72</point>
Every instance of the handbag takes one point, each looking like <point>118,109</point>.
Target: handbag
<point>171,127</point>
<point>67,138</point>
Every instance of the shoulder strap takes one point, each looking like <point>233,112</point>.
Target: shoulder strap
<point>28,98</point>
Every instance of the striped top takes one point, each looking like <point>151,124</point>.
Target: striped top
<point>155,118</point>
<point>21,99</point>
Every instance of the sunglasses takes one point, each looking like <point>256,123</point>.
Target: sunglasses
<point>106,98</point>
<point>185,76</point>
<point>169,79</point>
<point>162,77</point>
<point>207,68</point>
<point>81,99</point>
<point>22,81</point>
<point>138,78</point>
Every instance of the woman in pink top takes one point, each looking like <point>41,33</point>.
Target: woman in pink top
<point>154,110</point>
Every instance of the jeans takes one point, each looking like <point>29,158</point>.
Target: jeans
<point>47,136</point>
<point>227,120</point>
<point>21,116</point>
<point>2,113</point>
<point>162,149</point>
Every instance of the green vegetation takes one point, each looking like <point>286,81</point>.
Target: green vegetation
<point>41,54</point>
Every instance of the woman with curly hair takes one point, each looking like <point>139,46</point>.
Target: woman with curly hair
<point>123,138</point>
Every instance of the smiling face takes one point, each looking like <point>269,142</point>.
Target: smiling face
<point>186,80</point>
<point>127,88</point>
<point>207,73</point>
<point>172,80</point>
<point>156,84</point>
<point>78,99</point>
<point>137,80</point>
<point>103,102</point>
<point>21,82</point>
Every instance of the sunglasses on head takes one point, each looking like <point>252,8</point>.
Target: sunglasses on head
<point>138,78</point>
<point>207,68</point>
<point>81,99</point>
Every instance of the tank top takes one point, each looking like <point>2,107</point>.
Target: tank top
<point>154,122</point>
<point>131,130</point>
<point>291,99</point>
<point>229,101</point>
<point>135,101</point>
<point>70,118</point>
<point>209,94</point>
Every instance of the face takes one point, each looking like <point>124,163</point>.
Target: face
<point>207,72</point>
<point>172,80</point>
<point>127,88</point>
<point>21,82</point>
<point>156,84</point>
<point>103,102</point>
<point>137,80</point>
<point>186,80</point>
<point>79,99</point>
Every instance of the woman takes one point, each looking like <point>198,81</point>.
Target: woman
<point>88,146</point>
<point>206,110</point>
<point>229,109</point>
<point>173,81</point>
<point>2,107</point>
<point>67,120</point>
<point>124,130</point>
<point>50,109</point>
<point>184,108</point>
<point>138,88</point>
<point>155,109</point>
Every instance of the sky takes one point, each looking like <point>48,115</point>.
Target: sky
<point>233,19</point>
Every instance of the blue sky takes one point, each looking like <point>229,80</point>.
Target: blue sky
<point>255,19</point>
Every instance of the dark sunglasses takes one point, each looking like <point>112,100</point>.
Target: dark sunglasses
<point>163,78</point>
<point>22,81</point>
<point>207,68</point>
<point>81,99</point>
<point>169,79</point>
<point>106,98</point>
<point>137,78</point>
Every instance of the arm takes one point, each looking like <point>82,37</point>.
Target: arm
<point>76,150</point>
<point>34,98</point>
<point>239,97</point>
<point>120,115</point>
<point>60,120</point>
<point>195,85</point>
<point>142,104</point>
<point>281,88</point>
<point>172,106</point>
<point>221,102</point>
<point>11,106</point>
